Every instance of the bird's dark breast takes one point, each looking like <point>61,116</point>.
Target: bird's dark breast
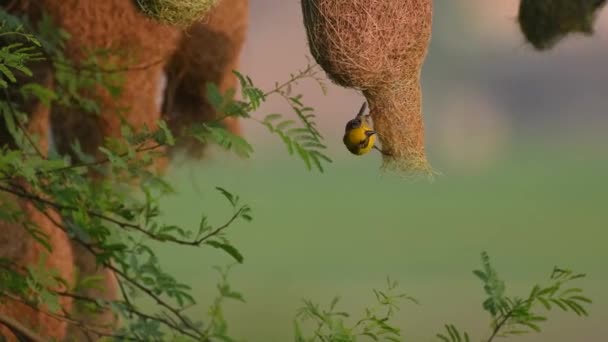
<point>351,148</point>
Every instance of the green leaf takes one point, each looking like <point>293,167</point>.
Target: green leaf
<point>304,156</point>
<point>570,290</point>
<point>581,299</point>
<point>443,338</point>
<point>283,125</point>
<point>271,117</point>
<point>453,332</point>
<point>166,136</point>
<point>530,325</point>
<point>559,303</point>
<point>244,83</point>
<point>230,197</point>
<point>299,337</point>
<point>534,291</point>
<point>39,236</point>
<point>370,335</point>
<point>203,226</point>
<point>9,74</point>
<point>43,94</point>
<point>576,307</point>
<point>544,302</point>
<point>224,138</point>
<point>231,250</point>
<point>214,96</point>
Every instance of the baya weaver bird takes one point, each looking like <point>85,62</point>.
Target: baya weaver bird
<point>359,138</point>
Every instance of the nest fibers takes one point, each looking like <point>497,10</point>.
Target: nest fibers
<point>176,12</point>
<point>545,22</point>
<point>378,47</point>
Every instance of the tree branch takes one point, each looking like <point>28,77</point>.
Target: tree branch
<point>500,324</point>
<point>122,224</point>
<point>294,78</point>
<point>196,334</point>
<point>87,328</point>
<point>19,330</point>
<point>23,130</point>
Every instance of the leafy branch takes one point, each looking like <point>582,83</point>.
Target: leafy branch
<point>92,210</point>
<point>517,315</point>
<point>299,136</point>
<point>305,139</point>
<point>330,324</point>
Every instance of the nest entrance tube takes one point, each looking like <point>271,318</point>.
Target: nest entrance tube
<point>378,47</point>
<point>400,121</point>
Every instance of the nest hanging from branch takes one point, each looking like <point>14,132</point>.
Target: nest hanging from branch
<point>545,22</point>
<point>176,12</point>
<point>378,47</point>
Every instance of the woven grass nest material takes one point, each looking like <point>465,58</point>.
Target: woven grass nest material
<point>176,12</point>
<point>545,22</point>
<point>378,47</point>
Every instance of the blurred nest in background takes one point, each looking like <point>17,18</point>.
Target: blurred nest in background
<point>176,12</point>
<point>545,22</point>
<point>378,47</point>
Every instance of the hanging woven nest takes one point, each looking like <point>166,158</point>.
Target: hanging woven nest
<point>378,47</point>
<point>209,51</point>
<point>545,22</point>
<point>176,12</point>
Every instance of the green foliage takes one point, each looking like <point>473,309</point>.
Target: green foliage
<point>15,55</point>
<point>510,315</point>
<point>493,286</point>
<point>520,315</point>
<point>300,136</point>
<point>118,219</point>
<point>331,325</point>
<point>218,329</point>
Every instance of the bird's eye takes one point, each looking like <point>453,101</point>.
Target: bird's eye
<point>352,124</point>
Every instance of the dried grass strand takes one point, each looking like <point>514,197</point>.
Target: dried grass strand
<point>181,13</point>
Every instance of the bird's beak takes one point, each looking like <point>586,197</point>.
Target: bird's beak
<point>370,133</point>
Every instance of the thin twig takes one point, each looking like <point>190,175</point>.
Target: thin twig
<point>20,192</point>
<point>123,291</point>
<point>19,330</point>
<point>129,307</point>
<point>87,328</point>
<point>294,78</point>
<point>98,162</point>
<point>196,335</point>
<point>195,332</point>
<point>220,228</point>
<point>500,324</point>
<point>23,130</point>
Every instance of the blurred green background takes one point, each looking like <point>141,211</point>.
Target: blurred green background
<point>519,137</point>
